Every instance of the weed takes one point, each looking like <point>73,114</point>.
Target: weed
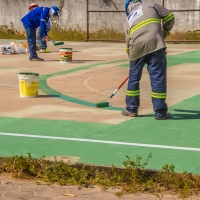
<point>107,34</point>
<point>133,178</point>
<point>8,32</point>
<point>75,34</point>
<point>190,35</point>
<point>62,33</point>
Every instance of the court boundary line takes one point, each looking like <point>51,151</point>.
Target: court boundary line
<point>102,142</point>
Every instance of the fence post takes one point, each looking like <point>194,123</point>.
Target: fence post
<point>87,21</point>
<point>163,3</point>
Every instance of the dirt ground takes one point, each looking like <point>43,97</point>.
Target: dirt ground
<point>12,189</point>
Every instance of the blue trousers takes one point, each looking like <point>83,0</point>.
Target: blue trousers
<point>31,39</point>
<point>157,69</point>
<point>42,43</point>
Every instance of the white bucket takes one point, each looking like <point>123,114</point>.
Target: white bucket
<point>66,55</point>
<point>28,84</point>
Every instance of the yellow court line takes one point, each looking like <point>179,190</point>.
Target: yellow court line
<point>86,81</point>
<point>86,84</point>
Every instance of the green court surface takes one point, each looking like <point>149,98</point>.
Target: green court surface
<point>175,141</point>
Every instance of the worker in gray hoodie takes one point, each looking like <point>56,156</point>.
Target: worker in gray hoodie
<point>146,45</point>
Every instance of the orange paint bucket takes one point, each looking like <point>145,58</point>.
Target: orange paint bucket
<point>66,55</point>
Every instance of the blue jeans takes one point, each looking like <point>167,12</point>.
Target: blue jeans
<point>31,39</point>
<point>157,69</point>
<point>42,43</point>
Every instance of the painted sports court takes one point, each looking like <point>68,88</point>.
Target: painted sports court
<point>63,120</point>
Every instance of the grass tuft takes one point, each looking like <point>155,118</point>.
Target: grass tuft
<point>190,35</point>
<point>58,33</point>
<point>8,32</point>
<point>132,178</point>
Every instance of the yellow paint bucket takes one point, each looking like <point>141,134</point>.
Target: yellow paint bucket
<point>28,84</point>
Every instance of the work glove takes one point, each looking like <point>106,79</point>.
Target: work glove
<point>47,38</point>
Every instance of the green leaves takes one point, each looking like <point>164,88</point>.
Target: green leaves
<point>133,178</point>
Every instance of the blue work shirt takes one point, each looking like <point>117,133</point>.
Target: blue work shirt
<point>36,18</point>
<point>48,25</point>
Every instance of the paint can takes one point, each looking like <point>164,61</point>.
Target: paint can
<point>66,55</point>
<point>28,84</point>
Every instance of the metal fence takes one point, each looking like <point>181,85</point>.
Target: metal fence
<point>109,25</point>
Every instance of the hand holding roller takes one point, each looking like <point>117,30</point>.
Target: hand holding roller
<point>47,38</point>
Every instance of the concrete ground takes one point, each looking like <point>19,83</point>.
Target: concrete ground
<point>64,121</point>
<point>11,189</point>
<point>105,69</point>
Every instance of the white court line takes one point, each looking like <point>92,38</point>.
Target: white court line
<point>80,73</point>
<point>101,141</point>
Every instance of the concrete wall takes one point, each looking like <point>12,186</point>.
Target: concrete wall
<point>74,13</point>
<point>185,21</point>
<point>14,10</point>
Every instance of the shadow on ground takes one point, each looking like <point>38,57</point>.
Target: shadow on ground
<point>186,114</point>
<point>48,96</point>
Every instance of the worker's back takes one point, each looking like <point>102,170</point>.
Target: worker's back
<point>144,31</point>
<point>33,18</point>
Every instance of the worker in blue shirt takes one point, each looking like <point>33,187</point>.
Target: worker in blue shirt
<point>42,43</point>
<point>38,17</point>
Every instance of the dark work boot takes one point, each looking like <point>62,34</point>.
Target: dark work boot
<point>167,116</point>
<point>37,59</point>
<point>130,114</point>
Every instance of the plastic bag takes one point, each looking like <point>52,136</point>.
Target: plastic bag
<point>6,49</point>
<point>19,49</point>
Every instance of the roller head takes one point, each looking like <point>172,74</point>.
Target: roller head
<point>58,43</point>
<point>111,96</point>
<point>102,104</point>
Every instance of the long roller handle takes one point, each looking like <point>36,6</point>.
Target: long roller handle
<point>123,82</point>
<point>113,94</point>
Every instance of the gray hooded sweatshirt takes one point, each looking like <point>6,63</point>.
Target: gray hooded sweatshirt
<point>144,30</point>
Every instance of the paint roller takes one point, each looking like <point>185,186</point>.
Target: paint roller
<point>104,103</point>
<point>57,43</point>
<point>54,43</point>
